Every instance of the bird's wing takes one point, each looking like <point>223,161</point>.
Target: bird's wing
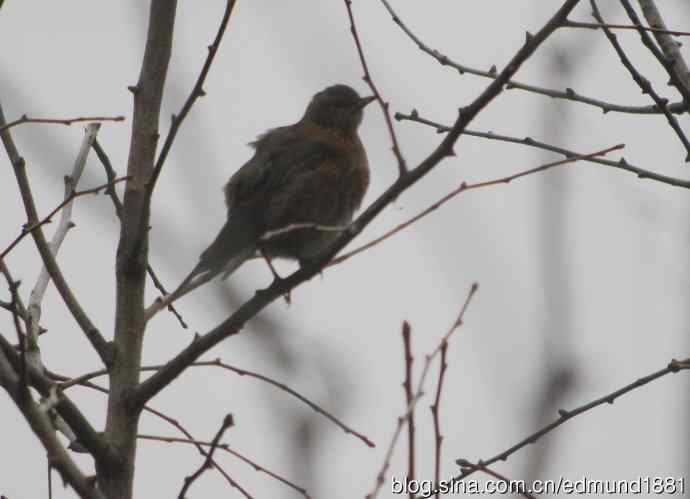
<point>281,156</point>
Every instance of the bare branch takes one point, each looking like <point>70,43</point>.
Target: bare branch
<point>226,448</point>
<point>621,164</point>
<point>579,24</point>
<point>67,121</point>
<point>188,481</point>
<point>86,434</point>
<point>435,410</point>
<point>39,422</point>
<point>675,65</point>
<point>197,91</point>
<point>459,190</point>
<point>65,384</point>
<point>466,464</point>
<point>26,230</point>
<point>111,175</point>
<point>407,386</point>
<point>670,47</point>
<point>644,84</point>
<point>418,393</point>
<point>402,164</point>
<point>673,367</point>
<point>233,324</point>
<point>567,94</point>
<point>92,333</point>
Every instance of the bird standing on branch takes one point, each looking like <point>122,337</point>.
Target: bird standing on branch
<point>303,181</point>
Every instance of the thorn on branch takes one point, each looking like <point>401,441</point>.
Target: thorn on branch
<point>134,89</point>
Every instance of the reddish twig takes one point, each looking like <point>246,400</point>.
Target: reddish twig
<point>402,165</point>
<point>67,121</point>
<point>226,448</point>
<point>188,481</point>
<point>26,230</point>
<point>438,438</point>
<point>242,372</point>
<point>466,187</point>
<point>418,394</point>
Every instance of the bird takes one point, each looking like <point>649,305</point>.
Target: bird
<point>302,180</point>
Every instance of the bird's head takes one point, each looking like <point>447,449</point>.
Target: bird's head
<point>338,108</point>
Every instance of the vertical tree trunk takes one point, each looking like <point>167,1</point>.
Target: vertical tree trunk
<point>132,253</point>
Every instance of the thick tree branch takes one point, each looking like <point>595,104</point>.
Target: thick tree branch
<point>40,423</point>
<point>233,324</point>
<point>197,91</point>
<point>86,434</point>
<point>132,252</point>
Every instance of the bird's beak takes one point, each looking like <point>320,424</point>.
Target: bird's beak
<point>366,100</point>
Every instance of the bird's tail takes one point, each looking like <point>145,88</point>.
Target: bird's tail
<point>234,244</point>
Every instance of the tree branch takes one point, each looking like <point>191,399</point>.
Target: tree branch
<point>673,367</point>
<point>621,164</point>
<point>567,94</point>
<point>644,84</point>
<point>66,121</point>
<point>92,333</point>
<point>40,423</point>
<point>233,324</point>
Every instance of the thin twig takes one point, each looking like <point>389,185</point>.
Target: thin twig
<point>226,448</point>
<point>173,422</point>
<point>402,165</point>
<point>88,328</point>
<point>407,386</point>
<point>438,438</point>
<point>459,190</point>
<point>197,91</point>
<point>567,94</point>
<point>65,384</point>
<point>579,24</point>
<point>511,483</point>
<point>110,174</point>
<point>26,230</point>
<point>67,121</point>
<point>673,367</point>
<point>644,84</point>
<point>188,481</point>
<point>419,393</point>
<point>621,164</point>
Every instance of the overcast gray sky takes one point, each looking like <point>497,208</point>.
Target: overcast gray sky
<point>582,269</point>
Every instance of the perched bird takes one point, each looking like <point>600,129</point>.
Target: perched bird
<point>314,172</point>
